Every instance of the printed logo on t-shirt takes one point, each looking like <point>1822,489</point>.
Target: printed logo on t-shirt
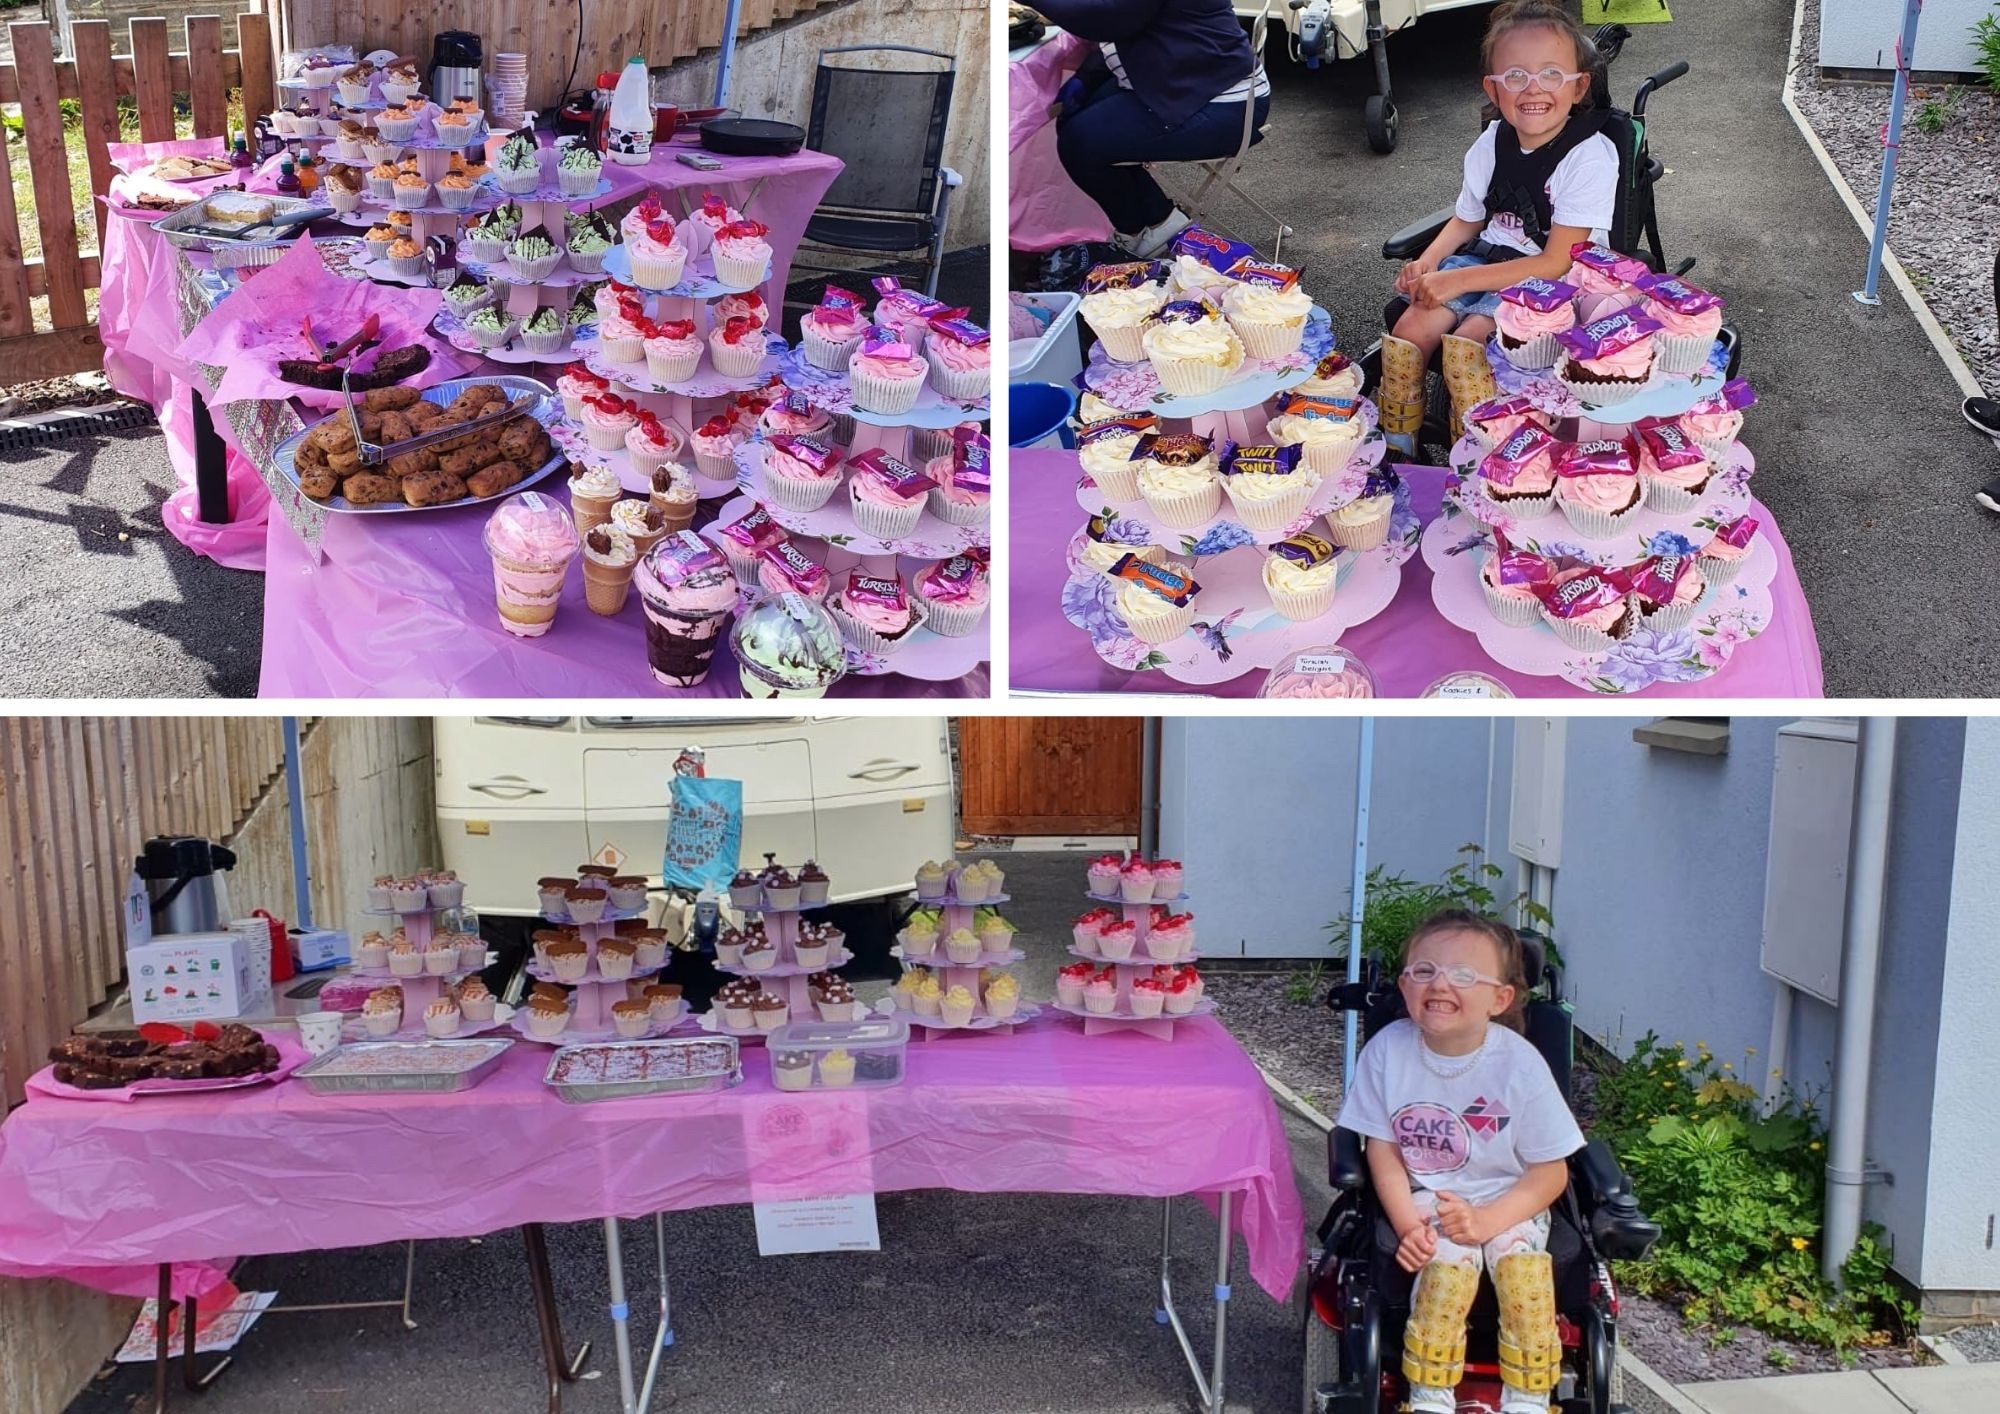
<point>1431,1137</point>
<point>1486,1118</point>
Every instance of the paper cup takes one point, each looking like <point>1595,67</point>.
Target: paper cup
<point>319,1031</point>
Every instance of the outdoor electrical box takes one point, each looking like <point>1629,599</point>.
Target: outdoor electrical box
<point>1535,804</point>
<point>1805,884</point>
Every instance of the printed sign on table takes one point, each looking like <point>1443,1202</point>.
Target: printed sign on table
<point>834,1224</point>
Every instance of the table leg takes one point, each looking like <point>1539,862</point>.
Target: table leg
<point>190,1320</point>
<point>1209,1383</point>
<point>621,1334</point>
<point>541,1281</point>
<point>663,1334</point>
<point>211,464</point>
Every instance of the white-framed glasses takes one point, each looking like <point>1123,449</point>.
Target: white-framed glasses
<point>1549,80</point>
<point>1425,972</point>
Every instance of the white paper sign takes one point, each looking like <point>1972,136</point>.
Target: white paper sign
<point>1317,663</point>
<point>839,1224</point>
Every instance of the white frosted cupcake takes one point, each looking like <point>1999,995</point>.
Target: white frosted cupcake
<point>1326,442</point>
<point>1363,523</point>
<point>1178,481</point>
<point>1271,498</point>
<point>1191,358</point>
<point>1299,575</point>
<point>1106,454</point>
<point>1271,321</point>
<point>1153,618</point>
<point>1117,318</point>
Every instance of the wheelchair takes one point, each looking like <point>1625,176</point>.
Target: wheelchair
<point>1634,229</point>
<point>1357,1298</point>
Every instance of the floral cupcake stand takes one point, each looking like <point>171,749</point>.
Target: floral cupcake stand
<point>592,995</point>
<point>956,915</point>
<point>1455,546</point>
<point>787,976</point>
<point>1129,970</point>
<point>419,925</point>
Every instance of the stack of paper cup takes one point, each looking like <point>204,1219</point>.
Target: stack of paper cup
<point>507,91</point>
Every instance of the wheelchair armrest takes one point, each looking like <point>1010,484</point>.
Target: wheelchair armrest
<point>1409,243</point>
<point>1346,1160</point>
<point>950,178</point>
<point>1617,1228</point>
<point>1595,1172</point>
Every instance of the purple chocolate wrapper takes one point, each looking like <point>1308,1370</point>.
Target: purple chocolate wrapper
<point>810,450</point>
<point>1515,455</point>
<point>1582,594</point>
<point>839,301</point>
<point>902,478</point>
<point>1656,579</point>
<point>1611,334</point>
<point>1134,423</point>
<point>1733,396</point>
<point>883,593</point>
<point>1245,459</point>
<point>795,571</point>
<point>1495,408</point>
<point>1173,448</point>
<point>961,329</point>
<point>1310,551</point>
<point>1184,311</point>
<point>681,556</point>
<point>1216,252</point>
<point>753,532</point>
<point>1601,456</point>
<point>956,580</point>
<point>1677,294</point>
<point>1737,532</point>
<point>1518,566</point>
<point>1539,295</point>
<point>883,340</point>
<point>1670,447</point>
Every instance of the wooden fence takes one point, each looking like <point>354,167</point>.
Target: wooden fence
<point>152,78</point>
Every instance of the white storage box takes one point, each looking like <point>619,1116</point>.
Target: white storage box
<point>317,948</point>
<point>1057,356</point>
<point>188,977</point>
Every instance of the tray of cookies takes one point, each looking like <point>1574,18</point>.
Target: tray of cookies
<point>495,460</point>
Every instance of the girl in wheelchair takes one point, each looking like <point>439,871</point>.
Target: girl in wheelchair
<point>1538,179</point>
<point>1467,1134</point>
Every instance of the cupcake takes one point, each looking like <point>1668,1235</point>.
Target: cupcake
<point>1519,475</point>
<point>575,383</point>
<point>1183,992</point>
<point>960,358</point>
<point>657,253</point>
<point>1085,931</point>
<point>1071,981</point>
<point>955,1007</point>
<point>1715,420</point>
<point>547,1017</point>
<point>886,496</point>
<point>621,336</point>
<point>1334,376</point>
<point>651,443</point>
<point>1268,487</point>
<point>876,615</point>
<point>458,128</point>
<point>354,87</point>
<point>1299,575</point>
<point>933,881</point>
<point>1102,874</point>
<point>1493,421</point>
<point>832,330</point>
<point>1117,302</point>
<point>1598,487</point>
<point>406,258</point>
<point>1107,451</point>
<point>747,304</point>
<point>379,238</point>
<point>962,493</point>
<point>1363,523</point>
<point>736,348</point>
<point>569,959</point>
<point>784,568</point>
<point>1135,881</point>
<point>1204,264</point>
<point>1667,591</point>
<point>410,192</point>
<point>632,1019</point>
<point>405,960</point>
<point>1587,609</point>
<point>344,185</point>
<point>673,351</point>
<point>1722,558</point>
<point>1100,996</point>
<point>1155,603</point>
<point>954,594</point>
<point>770,1011</point>
<point>518,168</point>
<point>740,254</point>
<point>1178,479</point>
<point>615,958</point>
<point>1609,360</point>
<point>382,1013</point>
<point>1149,997</point>
<point>578,169</point>
<point>1531,315</point>
<point>707,222</point>
<point>796,415</point>
<point>455,191</point>
<point>372,953</point>
<point>1268,310</point>
<point>996,934</point>
<point>1327,431</point>
<point>1512,580</point>
<point>1675,470</point>
<point>1192,350</point>
<point>1003,998</point>
<point>532,257</point>
<point>663,1004</point>
<point>475,1002</point>
<point>906,313</point>
<point>1689,320</point>
<point>800,473</point>
<point>1600,274</point>
<point>836,1069</point>
<point>544,332</point>
<point>886,373</point>
<point>1168,876</point>
<point>587,239</point>
<point>606,420</point>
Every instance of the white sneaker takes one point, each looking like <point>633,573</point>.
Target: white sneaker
<point>1155,239</point>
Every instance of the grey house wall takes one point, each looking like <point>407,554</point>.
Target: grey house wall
<point>1861,34</point>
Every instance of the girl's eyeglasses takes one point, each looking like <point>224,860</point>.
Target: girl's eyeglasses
<point>1425,972</point>
<point>1549,80</point>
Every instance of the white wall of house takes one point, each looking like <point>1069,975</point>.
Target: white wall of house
<point>1862,34</point>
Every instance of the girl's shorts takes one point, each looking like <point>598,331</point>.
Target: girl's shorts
<point>1486,302</point>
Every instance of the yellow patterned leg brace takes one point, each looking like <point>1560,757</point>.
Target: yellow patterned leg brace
<point>1399,397</point>
<point>1434,1339</point>
<point>1468,376</point>
<point>1530,1349</point>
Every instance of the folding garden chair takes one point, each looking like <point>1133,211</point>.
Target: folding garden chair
<point>887,124</point>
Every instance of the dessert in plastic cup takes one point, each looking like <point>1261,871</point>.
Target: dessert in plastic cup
<point>688,592</point>
<point>1466,684</point>
<point>788,647</point>
<point>1325,673</point>
<point>532,541</point>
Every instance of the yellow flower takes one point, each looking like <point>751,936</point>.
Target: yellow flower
<point>1799,1244</point>
<point>1666,1084</point>
<point>1814,1146</point>
<point>1749,1050</point>
<point>1683,1065</point>
<point>1727,1066</point>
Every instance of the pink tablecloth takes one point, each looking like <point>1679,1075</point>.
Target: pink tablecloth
<point>97,1192</point>
<point>1045,208</point>
<point>402,606</point>
<point>139,321</point>
<point>1409,646</point>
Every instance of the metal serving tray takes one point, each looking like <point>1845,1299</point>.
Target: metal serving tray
<point>616,1070</point>
<point>427,1067</point>
<point>175,227</point>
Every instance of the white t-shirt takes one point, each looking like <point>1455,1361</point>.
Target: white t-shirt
<point>1473,1135</point>
<point>1583,191</point>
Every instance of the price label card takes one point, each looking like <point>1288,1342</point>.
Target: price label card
<point>1317,663</point>
<point>1464,690</point>
<point>833,1224</point>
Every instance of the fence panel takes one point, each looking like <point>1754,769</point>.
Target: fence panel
<point>152,80</point>
<point>97,94</point>
<point>208,89</point>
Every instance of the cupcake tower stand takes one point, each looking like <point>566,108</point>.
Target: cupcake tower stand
<point>592,998</point>
<point>419,925</point>
<point>1236,629</point>
<point>788,977</point>
<point>683,405</point>
<point>1130,970</point>
<point>1456,543</point>
<point>954,916</point>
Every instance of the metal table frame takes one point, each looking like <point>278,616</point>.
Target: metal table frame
<point>637,1397</point>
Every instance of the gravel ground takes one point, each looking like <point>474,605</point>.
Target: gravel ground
<point>1653,1327</point>
<point>47,394</point>
<point>1941,226</point>
<point>1979,1344</point>
<point>1296,1042</point>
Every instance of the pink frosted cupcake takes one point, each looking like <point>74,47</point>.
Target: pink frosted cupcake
<point>621,338</point>
<point>740,253</point>
<point>576,384</point>
<point>795,415</point>
<point>658,255</point>
<point>887,496</point>
<point>1135,881</point>
<point>960,356</point>
<point>1492,422</point>
<point>1588,610</point>
<point>1599,273</point>
<point>887,373</point>
<point>1531,315</point>
<point>747,305</point>
<point>832,330</point>
<point>1103,874</point>
<point>956,591</point>
<point>784,569</point>
<point>1071,981</point>
<point>907,313</point>
<point>1609,360</point>
<point>1166,878</point>
<point>1519,475</point>
<point>736,347</point>
<point>1598,487</point>
<point>1184,991</point>
<point>1676,470</point>
<point>1171,937</point>
<point>1149,998</point>
<point>1667,590</point>
<point>651,444</point>
<point>714,444</point>
<point>1689,320</point>
<point>701,228</point>
<point>964,486</point>
<point>800,473</point>
<point>673,351</point>
<point>1085,931</point>
<point>1716,419</point>
<point>606,420</point>
<point>1511,579</point>
<point>1100,997</point>
<point>876,615</point>
<point>1723,557</point>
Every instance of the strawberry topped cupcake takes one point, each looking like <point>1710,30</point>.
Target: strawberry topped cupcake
<point>673,350</point>
<point>1167,877</point>
<point>1171,937</point>
<point>1084,932</point>
<point>606,419</point>
<point>747,305</point>
<point>707,222</point>
<point>740,253</point>
<point>832,330</point>
<point>658,254</point>
<point>886,372</point>
<point>1070,982</point>
<point>736,347</point>
<point>1148,998</point>
<point>960,357</point>
<point>714,444</point>
<point>956,592</point>
<point>651,443</point>
<point>621,334</point>
<point>1103,874</point>
<point>800,473</point>
<point>1115,942</point>
<point>1183,991</point>
<point>1531,315</point>
<point>647,211</point>
<point>1135,881</point>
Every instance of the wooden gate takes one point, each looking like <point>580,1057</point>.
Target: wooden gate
<point>1049,775</point>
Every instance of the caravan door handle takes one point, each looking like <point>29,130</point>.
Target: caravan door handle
<point>883,770</point>
<point>508,788</point>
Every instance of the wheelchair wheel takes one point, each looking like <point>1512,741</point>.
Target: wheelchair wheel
<point>1319,1350</point>
<point>1379,116</point>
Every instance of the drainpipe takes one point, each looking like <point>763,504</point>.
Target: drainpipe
<point>1860,959</point>
<point>1778,1051</point>
<point>1149,787</point>
<point>1364,776</point>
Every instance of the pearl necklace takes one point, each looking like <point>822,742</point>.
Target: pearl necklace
<point>1449,1067</point>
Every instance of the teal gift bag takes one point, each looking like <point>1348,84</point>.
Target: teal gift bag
<point>704,834</point>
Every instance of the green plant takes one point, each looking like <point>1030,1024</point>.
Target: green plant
<point>1303,988</point>
<point>1936,113</point>
<point>1739,1199</point>
<point>1986,38</point>
<point>1396,904</point>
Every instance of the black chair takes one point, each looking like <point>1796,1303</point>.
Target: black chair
<point>1357,1298</point>
<point>887,125</point>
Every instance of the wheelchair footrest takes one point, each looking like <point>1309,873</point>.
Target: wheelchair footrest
<point>1347,1397</point>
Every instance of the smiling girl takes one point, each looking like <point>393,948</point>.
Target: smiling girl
<point>1538,179</point>
<point>1466,1134</point>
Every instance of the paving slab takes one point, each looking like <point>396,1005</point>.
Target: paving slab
<point>1936,1389</point>
<point>1855,1392</point>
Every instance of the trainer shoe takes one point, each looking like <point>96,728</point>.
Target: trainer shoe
<point>1989,495</point>
<point>1155,239</point>
<point>1984,414</point>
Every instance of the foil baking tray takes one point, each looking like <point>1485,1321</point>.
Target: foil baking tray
<point>615,1070</point>
<point>402,1067</point>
